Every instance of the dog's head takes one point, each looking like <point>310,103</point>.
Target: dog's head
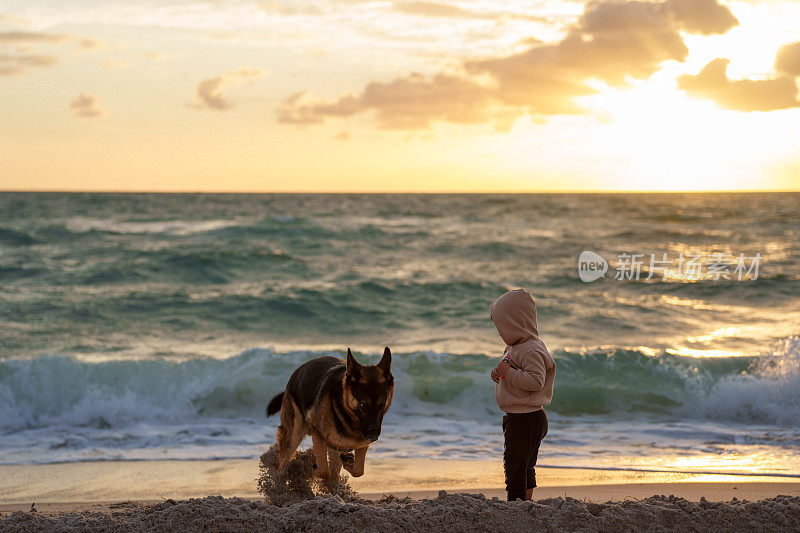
<point>368,392</point>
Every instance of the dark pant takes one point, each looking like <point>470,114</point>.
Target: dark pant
<point>523,433</point>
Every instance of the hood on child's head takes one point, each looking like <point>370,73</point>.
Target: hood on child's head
<point>514,316</point>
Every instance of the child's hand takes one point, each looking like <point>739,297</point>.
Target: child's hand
<point>503,368</point>
<point>495,375</point>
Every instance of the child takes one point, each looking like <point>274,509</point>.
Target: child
<point>524,384</point>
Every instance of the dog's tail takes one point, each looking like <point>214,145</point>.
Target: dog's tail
<point>275,405</point>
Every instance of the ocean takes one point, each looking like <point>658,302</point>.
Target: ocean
<point>158,326</point>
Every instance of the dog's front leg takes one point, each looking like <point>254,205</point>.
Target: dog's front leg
<point>321,456</point>
<point>357,470</point>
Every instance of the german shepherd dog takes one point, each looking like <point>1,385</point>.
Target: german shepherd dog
<point>341,405</point>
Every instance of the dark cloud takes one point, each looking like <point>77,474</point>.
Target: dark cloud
<point>712,83</point>
<point>17,64</point>
<point>210,93</point>
<point>87,106</point>
<point>611,42</point>
<point>788,59</point>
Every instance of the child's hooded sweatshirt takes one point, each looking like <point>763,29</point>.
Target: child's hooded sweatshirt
<point>529,383</point>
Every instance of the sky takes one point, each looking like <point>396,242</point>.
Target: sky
<point>399,96</point>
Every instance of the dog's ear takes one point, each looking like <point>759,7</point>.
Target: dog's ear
<point>353,366</point>
<point>386,361</point>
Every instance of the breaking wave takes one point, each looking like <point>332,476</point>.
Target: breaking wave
<point>62,390</point>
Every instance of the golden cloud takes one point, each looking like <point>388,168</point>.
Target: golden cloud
<point>612,42</point>
<point>18,64</point>
<point>210,93</point>
<point>34,37</point>
<point>410,102</point>
<point>87,106</point>
<point>442,10</point>
<point>712,83</point>
<point>706,17</point>
<point>788,59</point>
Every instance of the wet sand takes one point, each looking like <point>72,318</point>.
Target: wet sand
<point>106,481</point>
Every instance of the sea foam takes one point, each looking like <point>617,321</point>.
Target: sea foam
<point>63,390</point>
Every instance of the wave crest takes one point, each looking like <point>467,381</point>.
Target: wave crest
<point>64,391</point>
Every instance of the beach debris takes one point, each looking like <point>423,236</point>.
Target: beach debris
<point>298,481</point>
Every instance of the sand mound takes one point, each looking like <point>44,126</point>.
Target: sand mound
<point>298,481</point>
<point>449,512</point>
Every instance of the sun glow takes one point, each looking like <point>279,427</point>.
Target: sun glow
<point>161,112</point>
<point>678,143</point>
<point>751,46</point>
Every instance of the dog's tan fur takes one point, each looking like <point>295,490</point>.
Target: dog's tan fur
<point>331,447</point>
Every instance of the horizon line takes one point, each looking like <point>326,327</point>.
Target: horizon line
<point>400,192</point>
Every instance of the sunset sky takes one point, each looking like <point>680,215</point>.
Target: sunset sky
<point>351,95</point>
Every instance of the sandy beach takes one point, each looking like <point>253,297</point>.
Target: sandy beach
<point>394,495</point>
<point>108,481</point>
<point>465,251</point>
<point>451,511</point>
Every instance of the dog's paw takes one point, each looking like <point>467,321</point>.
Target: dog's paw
<point>348,460</point>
